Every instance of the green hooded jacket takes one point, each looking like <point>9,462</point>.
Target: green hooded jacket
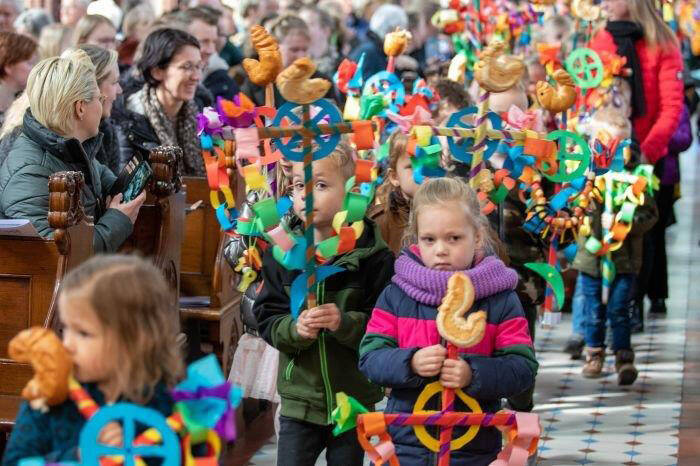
<point>24,182</point>
<point>627,259</point>
<point>311,372</point>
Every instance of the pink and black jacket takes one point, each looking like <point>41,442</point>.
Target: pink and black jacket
<point>403,321</point>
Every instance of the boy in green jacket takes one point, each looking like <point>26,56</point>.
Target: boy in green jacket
<point>319,350</point>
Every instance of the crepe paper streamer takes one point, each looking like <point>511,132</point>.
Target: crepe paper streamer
<point>213,450</point>
<point>206,400</point>
<point>583,156</point>
<point>301,284</point>
<point>551,275</point>
<point>585,67</point>
<point>521,431</point>
<point>372,105</point>
<point>345,413</point>
<point>128,415</point>
<point>388,86</point>
<point>363,135</point>
<point>351,111</point>
<point>405,123</point>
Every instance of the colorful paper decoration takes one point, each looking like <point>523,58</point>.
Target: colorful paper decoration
<point>551,275</point>
<point>585,66</point>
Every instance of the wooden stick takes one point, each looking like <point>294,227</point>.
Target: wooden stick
<point>309,232</point>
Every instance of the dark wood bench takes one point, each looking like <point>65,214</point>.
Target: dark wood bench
<point>209,301</point>
<point>31,271</point>
<point>159,227</point>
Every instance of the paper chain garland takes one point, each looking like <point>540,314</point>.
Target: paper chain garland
<point>623,193</point>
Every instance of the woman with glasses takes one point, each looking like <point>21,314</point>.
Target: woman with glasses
<point>60,132</point>
<point>162,111</point>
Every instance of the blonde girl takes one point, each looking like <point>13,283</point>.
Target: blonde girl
<point>120,328</point>
<point>402,348</point>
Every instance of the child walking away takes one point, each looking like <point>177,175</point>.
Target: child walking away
<point>318,350</point>
<point>402,348</point>
<point>394,196</point>
<point>120,330</point>
<point>627,261</point>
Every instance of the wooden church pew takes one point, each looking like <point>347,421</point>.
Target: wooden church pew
<point>31,271</point>
<point>208,300</point>
<point>159,227</point>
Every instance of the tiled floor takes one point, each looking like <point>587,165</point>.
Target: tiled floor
<point>596,421</point>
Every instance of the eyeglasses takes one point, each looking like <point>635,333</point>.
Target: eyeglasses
<point>192,68</point>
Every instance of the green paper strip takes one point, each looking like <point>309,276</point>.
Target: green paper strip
<point>552,276</point>
<point>499,194</point>
<point>627,212</point>
<point>593,245</point>
<point>328,247</point>
<point>356,204</point>
<point>345,414</point>
<point>266,211</point>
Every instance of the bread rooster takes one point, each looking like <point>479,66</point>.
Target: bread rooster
<point>562,98</point>
<point>497,72</point>
<point>264,71</point>
<point>50,361</point>
<point>296,85</point>
<point>395,43</point>
<point>450,320</point>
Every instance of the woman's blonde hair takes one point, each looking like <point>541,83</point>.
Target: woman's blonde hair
<point>103,59</point>
<point>440,191</point>
<point>56,84</point>
<point>133,302</point>
<point>54,39</point>
<point>86,26</point>
<point>656,31</point>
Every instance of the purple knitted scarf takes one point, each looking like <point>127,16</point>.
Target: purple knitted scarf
<point>428,286</point>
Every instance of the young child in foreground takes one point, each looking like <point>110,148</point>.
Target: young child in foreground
<point>318,350</point>
<point>120,331</point>
<point>402,348</point>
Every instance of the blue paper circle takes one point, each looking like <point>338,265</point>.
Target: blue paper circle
<point>462,150</point>
<point>292,149</point>
<point>387,84</point>
<point>128,415</point>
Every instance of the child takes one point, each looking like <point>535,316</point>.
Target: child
<point>318,350</point>
<point>614,121</point>
<point>120,329</point>
<point>394,196</point>
<point>453,99</point>
<point>402,348</point>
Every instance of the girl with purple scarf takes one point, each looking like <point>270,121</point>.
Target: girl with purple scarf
<point>402,348</point>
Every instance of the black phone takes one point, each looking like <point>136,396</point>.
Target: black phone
<point>132,180</point>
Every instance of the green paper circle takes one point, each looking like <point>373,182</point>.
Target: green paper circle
<point>584,157</point>
<point>585,68</point>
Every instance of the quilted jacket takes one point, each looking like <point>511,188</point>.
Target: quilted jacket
<point>503,365</point>
<point>662,69</point>
<point>24,182</point>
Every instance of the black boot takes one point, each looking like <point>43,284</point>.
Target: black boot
<point>658,306</point>
<point>624,366</point>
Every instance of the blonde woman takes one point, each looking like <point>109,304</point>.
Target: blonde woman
<point>107,74</point>
<point>54,39</point>
<point>59,132</point>
<point>95,30</point>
